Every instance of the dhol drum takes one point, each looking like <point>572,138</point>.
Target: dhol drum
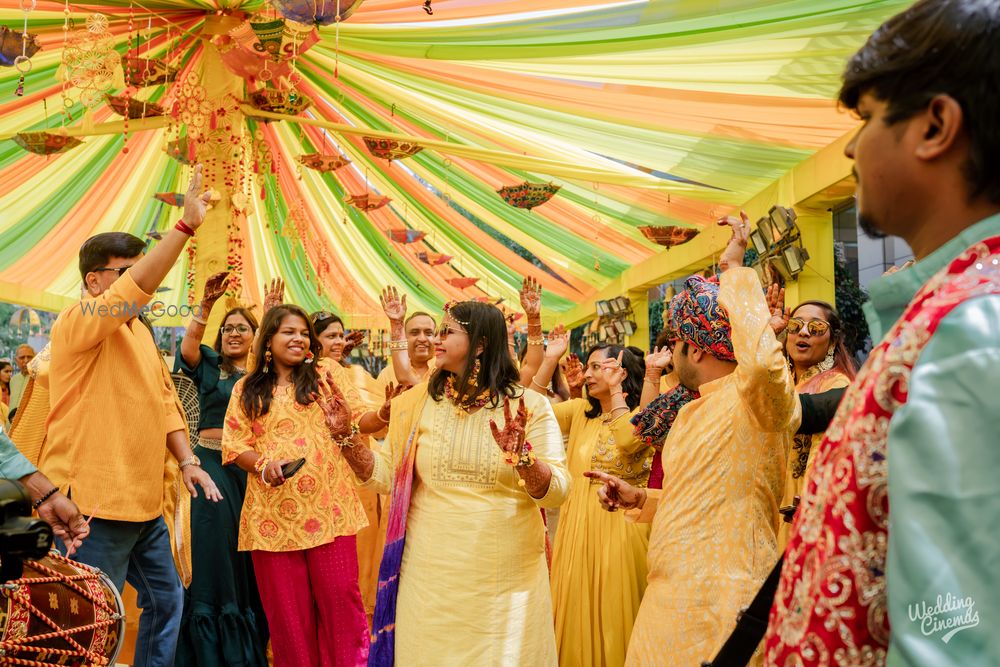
<point>60,612</point>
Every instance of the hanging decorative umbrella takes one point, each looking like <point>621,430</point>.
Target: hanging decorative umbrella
<point>179,150</point>
<point>528,195</point>
<point>406,235</point>
<point>319,12</point>
<point>390,149</point>
<point>288,102</point>
<point>367,201</point>
<point>12,44</point>
<point>278,40</point>
<point>170,198</point>
<point>321,162</point>
<point>25,322</point>
<point>433,258</point>
<point>142,72</point>
<point>462,283</point>
<point>133,108</point>
<point>45,143</point>
<point>669,236</point>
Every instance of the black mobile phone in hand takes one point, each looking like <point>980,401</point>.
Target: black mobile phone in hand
<point>292,467</point>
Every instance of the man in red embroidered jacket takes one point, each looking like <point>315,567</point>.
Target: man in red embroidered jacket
<point>894,550</point>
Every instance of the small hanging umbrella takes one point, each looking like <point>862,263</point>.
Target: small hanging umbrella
<point>12,44</point>
<point>123,105</point>
<point>141,72</point>
<point>170,198</point>
<point>45,143</point>
<point>528,195</point>
<point>433,258</point>
<point>391,149</point>
<point>670,235</point>
<point>321,162</point>
<point>462,283</point>
<point>288,102</point>
<point>406,235</point>
<point>319,12</point>
<point>367,201</point>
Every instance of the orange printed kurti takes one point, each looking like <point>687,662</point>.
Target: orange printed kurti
<point>320,502</point>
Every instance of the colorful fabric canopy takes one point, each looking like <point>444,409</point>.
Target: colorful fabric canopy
<point>665,113</point>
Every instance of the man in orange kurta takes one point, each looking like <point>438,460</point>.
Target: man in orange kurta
<point>115,421</point>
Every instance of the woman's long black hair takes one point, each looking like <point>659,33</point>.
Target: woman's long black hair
<point>258,386</point>
<point>227,363</point>
<point>487,328</point>
<point>635,369</point>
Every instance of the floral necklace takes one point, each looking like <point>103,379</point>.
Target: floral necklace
<point>467,404</point>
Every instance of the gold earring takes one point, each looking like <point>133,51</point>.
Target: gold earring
<point>267,360</point>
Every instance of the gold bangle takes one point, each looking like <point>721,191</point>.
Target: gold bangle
<point>535,382</point>
<point>536,340</point>
<point>397,345</point>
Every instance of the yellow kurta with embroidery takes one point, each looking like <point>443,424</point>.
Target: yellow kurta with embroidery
<point>320,502</point>
<point>474,584</point>
<point>803,450</point>
<point>599,564</point>
<point>715,523</point>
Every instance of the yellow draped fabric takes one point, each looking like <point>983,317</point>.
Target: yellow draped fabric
<point>599,564</point>
<point>715,524</point>
<point>474,584</point>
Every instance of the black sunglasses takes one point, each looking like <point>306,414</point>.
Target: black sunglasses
<point>120,270</point>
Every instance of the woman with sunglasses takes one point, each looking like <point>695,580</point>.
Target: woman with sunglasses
<point>470,458</point>
<point>814,346</point>
<point>223,621</point>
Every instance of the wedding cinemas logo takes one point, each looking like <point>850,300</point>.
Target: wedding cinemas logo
<point>153,309</point>
<point>951,614</point>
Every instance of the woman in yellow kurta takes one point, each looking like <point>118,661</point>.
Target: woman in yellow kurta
<point>464,579</point>
<point>599,565</point>
<point>300,530</point>
<point>820,362</point>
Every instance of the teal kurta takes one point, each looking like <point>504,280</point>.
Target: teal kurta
<point>943,461</point>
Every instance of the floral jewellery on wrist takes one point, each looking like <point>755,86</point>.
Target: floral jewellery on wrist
<point>348,440</point>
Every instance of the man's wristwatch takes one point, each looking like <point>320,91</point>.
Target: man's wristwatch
<point>191,461</point>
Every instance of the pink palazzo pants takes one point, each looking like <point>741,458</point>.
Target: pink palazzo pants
<point>313,605</point>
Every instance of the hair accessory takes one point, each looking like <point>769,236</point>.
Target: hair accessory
<point>447,310</point>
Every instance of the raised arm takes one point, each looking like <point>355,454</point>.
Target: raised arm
<point>215,287</point>
<point>541,380</point>
<point>394,307</point>
<point>658,361</point>
<point>531,302</point>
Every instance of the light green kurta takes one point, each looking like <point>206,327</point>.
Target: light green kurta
<point>943,458</point>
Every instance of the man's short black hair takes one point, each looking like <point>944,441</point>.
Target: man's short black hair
<point>937,47</point>
<point>98,250</point>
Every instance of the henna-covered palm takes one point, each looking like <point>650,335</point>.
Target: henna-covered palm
<point>336,412</point>
<point>351,341</point>
<point>215,287</point>
<point>393,305</point>
<point>531,297</point>
<point>573,369</point>
<point>274,294</point>
<point>776,304</point>
<point>510,439</point>
<point>391,392</point>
